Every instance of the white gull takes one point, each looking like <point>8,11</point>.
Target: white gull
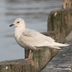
<point>31,39</point>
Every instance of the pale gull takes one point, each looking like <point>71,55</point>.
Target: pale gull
<point>31,39</point>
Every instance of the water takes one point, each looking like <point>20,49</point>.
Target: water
<point>34,12</point>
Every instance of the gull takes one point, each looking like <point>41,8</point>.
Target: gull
<point>31,39</point>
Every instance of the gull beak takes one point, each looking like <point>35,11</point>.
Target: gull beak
<point>11,25</point>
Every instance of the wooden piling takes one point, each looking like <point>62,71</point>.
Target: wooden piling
<point>60,21</point>
<point>20,65</point>
<point>66,4</point>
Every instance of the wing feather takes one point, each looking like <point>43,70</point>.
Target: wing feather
<point>36,39</point>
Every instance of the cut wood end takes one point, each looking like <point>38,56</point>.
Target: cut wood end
<point>69,37</point>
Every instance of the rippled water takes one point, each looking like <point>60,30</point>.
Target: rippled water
<point>34,12</point>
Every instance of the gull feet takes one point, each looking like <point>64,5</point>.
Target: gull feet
<point>30,57</point>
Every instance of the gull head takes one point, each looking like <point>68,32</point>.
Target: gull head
<point>19,22</point>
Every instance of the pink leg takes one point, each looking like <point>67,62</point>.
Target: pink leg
<point>30,55</point>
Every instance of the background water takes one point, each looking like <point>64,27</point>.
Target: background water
<point>34,12</point>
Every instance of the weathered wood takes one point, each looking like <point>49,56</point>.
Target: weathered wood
<point>62,62</point>
<point>66,4</point>
<point>43,56</point>
<point>20,65</point>
<point>69,37</point>
<point>60,21</point>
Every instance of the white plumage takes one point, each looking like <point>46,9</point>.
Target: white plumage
<point>31,39</point>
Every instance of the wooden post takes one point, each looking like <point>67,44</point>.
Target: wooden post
<point>60,21</point>
<point>20,65</point>
<point>66,4</point>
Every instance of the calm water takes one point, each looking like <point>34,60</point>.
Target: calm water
<point>34,12</point>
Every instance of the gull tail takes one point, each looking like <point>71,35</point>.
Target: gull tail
<point>61,45</point>
<point>58,45</point>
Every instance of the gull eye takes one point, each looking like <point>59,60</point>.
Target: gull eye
<point>18,22</point>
